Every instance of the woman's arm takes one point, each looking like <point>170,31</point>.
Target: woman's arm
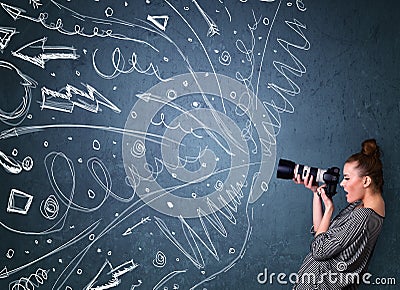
<point>317,211</point>
<point>325,220</point>
<point>321,217</point>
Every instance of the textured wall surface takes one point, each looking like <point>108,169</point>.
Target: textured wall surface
<point>139,139</point>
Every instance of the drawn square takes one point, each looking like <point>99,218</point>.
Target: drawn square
<point>19,202</point>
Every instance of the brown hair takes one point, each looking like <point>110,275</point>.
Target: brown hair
<point>369,162</point>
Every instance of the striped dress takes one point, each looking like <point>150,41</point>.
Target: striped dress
<point>339,257</point>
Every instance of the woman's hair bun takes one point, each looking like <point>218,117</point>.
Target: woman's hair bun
<point>370,148</point>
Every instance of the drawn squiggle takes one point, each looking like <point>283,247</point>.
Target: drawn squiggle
<point>94,164</point>
<point>118,63</point>
<point>298,69</point>
<point>34,281</point>
<point>18,13</point>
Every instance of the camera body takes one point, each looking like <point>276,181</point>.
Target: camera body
<point>288,170</point>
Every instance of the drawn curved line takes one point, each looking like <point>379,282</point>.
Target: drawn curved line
<point>107,187</point>
<point>22,110</point>
<point>168,277</point>
<point>265,47</point>
<point>205,52</point>
<point>60,248</point>
<point>19,131</point>
<point>9,164</point>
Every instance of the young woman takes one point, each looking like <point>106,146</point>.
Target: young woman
<point>342,247</point>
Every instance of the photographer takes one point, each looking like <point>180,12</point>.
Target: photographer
<point>342,247</point>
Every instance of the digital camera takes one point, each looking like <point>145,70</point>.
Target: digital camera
<point>288,170</point>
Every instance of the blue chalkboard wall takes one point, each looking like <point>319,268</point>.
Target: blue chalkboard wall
<point>139,139</point>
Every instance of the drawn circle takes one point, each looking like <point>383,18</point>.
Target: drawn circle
<point>91,194</point>
<point>96,145</point>
<point>91,237</point>
<point>194,147</point>
<point>265,21</point>
<point>171,94</point>
<point>341,266</point>
<point>10,253</point>
<point>14,152</point>
<point>109,12</point>
<point>46,144</point>
<point>232,251</point>
<point>79,271</point>
<point>27,163</point>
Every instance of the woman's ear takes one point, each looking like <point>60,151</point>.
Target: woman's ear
<point>366,181</point>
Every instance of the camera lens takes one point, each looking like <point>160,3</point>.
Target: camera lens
<point>285,169</point>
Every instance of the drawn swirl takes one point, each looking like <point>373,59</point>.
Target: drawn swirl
<point>341,266</point>
<point>160,260</point>
<point>195,138</point>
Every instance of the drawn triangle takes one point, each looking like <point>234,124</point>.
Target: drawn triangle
<point>4,273</point>
<point>5,35</point>
<point>156,21</point>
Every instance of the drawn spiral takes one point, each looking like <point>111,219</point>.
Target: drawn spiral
<point>160,260</point>
<point>341,266</point>
<point>138,149</point>
<point>50,208</point>
<point>207,148</point>
<point>225,58</point>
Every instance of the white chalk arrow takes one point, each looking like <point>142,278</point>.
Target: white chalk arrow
<point>40,53</point>
<point>115,274</point>
<point>16,13</point>
<point>5,35</point>
<point>129,230</point>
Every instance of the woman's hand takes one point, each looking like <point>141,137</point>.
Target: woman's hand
<point>308,182</point>
<point>328,203</point>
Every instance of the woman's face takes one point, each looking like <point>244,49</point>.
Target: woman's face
<point>352,183</point>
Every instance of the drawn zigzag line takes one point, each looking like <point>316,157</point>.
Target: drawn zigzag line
<point>193,239</point>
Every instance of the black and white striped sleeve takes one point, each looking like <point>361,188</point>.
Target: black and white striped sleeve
<point>338,237</point>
